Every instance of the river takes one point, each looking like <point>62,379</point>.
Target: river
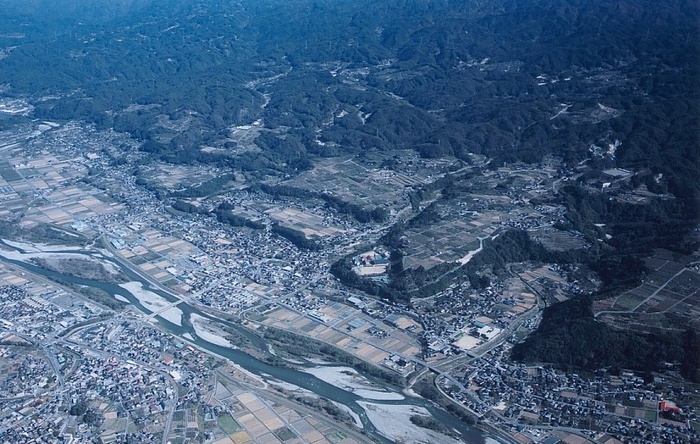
<point>301,379</point>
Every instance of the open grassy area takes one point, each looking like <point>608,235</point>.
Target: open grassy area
<point>366,182</point>
<point>284,434</point>
<point>228,424</point>
<point>336,437</point>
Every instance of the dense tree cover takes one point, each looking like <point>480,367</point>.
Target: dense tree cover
<point>186,207</point>
<point>618,271</point>
<point>301,346</point>
<point>360,213</point>
<point>285,150</point>
<point>514,80</point>
<point>296,237</point>
<point>92,418</point>
<point>445,78</point>
<point>222,213</point>
<point>569,337</point>
<point>78,408</point>
<point>690,366</point>
<point>405,284</point>
<point>428,422</point>
<point>206,188</point>
<point>41,233</point>
<point>342,269</point>
<point>660,223</point>
<point>225,216</point>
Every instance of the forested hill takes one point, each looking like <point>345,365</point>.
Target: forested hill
<point>44,18</point>
<point>512,79</point>
<point>592,82</point>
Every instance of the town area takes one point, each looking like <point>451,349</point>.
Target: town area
<point>101,274</point>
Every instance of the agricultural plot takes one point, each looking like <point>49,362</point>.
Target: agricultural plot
<point>633,298</point>
<point>669,298</point>
<point>8,173</point>
<point>44,188</point>
<point>54,198</point>
<point>500,201</point>
<point>165,258</point>
<point>459,231</point>
<point>310,224</point>
<point>244,137</point>
<point>348,329</point>
<point>367,183</point>
<point>254,419</point>
<point>557,240</point>
<point>447,241</point>
<point>547,282</point>
<point>177,177</point>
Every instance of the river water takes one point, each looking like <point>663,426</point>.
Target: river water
<point>301,379</point>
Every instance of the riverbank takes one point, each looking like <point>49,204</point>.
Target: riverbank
<point>145,296</point>
<point>394,422</point>
<point>349,379</point>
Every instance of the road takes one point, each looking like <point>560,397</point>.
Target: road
<point>450,363</point>
<point>55,365</point>
<point>635,308</point>
<point>282,400</point>
<point>442,373</point>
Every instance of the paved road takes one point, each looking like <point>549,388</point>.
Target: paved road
<point>632,310</point>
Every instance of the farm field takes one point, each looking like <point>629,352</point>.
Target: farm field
<point>668,299</point>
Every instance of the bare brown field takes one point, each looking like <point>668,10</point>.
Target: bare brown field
<point>303,220</point>
<point>336,331</point>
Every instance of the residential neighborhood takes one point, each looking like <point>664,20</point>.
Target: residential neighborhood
<point>113,365</point>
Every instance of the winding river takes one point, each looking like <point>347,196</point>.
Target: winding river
<point>185,332</point>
